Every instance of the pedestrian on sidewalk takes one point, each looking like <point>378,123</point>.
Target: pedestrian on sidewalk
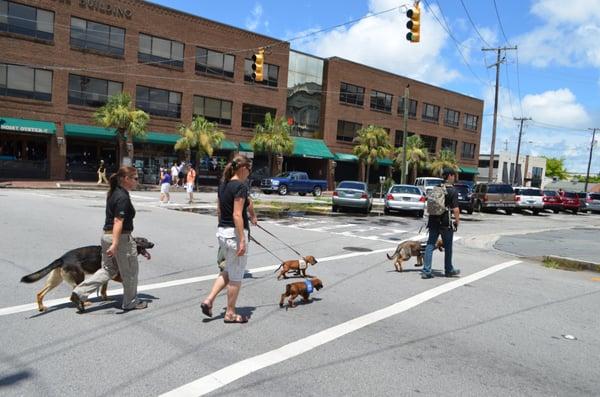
<point>102,173</point>
<point>191,183</point>
<point>175,173</point>
<point>181,174</point>
<point>233,235</point>
<point>442,225</point>
<point>119,250</point>
<point>165,185</point>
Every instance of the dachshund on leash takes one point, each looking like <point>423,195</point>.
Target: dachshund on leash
<point>299,265</point>
<point>405,250</point>
<point>302,288</point>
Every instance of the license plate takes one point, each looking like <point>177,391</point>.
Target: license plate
<point>530,201</point>
<point>406,198</point>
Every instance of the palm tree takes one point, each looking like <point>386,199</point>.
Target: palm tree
<point>372,143</point>
<point>272,137</point>
<point>416,156</point>
<point>119,113</point>
<point>444,159</point>
<point>200,134</point>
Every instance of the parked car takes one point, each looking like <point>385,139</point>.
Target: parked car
<point>493,196</point>
<point>529,198</point>
<point>592,203</point>
<point>552,201</point>
<point>293,181</point>
<point>351,194</point>
<point>404,198</point>
<point>570,201</point>
<point>582,201</point>
<point>427,183</point>
<point>464,197</point>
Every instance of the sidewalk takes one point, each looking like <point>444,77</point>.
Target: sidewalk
<point>80,185</point>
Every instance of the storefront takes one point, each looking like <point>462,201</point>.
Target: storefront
<point>86,146</point>
<point>25,148</point>
<point>210,168</point>
<point>467,174</point>
<point>346,168</point>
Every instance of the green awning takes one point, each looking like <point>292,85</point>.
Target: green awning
<point>469,170</point>
<point>384,162</point>
<point>345,157</point>
<point>26,125</point>
<point>228,145</point>
<point>311,148</point>
<point>158,138</point>
<point>245,147</point>
<point>89,131</point>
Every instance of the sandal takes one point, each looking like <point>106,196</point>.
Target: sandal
<point>206,309</point>
<point>238,319</point>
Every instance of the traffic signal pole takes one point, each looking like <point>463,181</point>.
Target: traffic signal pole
<point>405,136</point>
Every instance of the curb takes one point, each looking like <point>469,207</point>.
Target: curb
<point>571,263</point>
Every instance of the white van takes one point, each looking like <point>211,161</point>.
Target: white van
<point>427,183</point>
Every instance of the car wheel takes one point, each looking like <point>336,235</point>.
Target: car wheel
<point>470,210</point>
<point>302,194</point>
<point>478,207</point>
<point>508,212</point>
<point>575,212</point>
<point>367,210</point>
<point>282,190</point>
<point>420,214</point>
<point>316,191</point>
<point>536,212</point>
<point>556,211</point>
<point>334,208</point>
<point>386,211</point>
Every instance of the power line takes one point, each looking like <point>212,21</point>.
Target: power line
<point>500,22</point>
<point>473,23</point>
<point>519,83</point>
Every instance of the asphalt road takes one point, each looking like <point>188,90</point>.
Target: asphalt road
<point>498,330</point>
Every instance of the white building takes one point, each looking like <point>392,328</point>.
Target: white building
<point>504,169</point>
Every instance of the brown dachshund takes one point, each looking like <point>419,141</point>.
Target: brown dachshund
<point>411,248</point>
<point>299,288</point>
<point>296,264</point>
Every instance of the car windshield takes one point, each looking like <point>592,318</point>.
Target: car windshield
<point>284,175</point>
<point>500,189</point>
<point>581,195</point>
<point>461,188</point>
<point>405,190</point>
<point>571,195</point>
<point>595,196</point>
<point>531,192</point>
<point>550,193</point>
<point>433,182</point>
<point>351,185</point>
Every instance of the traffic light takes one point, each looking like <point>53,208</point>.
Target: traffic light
<point>414,24</point>
<point>257,65</point>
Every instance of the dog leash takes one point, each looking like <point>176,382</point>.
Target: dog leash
<point>266,249</point>
<point>278,239</point>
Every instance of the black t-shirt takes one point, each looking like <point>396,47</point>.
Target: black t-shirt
<point>228,192</point>
<point>118,205</point>
<point>451,201</point>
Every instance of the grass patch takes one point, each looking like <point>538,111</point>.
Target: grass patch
<point>551,263</point>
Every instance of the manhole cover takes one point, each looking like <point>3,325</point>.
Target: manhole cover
<point>357,249</point>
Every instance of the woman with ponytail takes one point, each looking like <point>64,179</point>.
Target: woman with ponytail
<point>119,250</point>
<point>232,234</point>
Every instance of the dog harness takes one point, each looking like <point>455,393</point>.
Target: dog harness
<point>309,286</point>
<point>302,264</point>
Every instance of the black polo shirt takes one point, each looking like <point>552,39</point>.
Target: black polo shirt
<point>118,205</point>
<point>228,192</point>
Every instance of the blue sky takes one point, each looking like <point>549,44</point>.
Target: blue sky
<point>554,77</point>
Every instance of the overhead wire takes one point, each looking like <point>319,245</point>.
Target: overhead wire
<point>500,23</point>
<point>473,23</point>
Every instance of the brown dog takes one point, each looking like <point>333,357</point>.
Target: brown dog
<point>300,288</point>
<point>405,250</point>
<point>296,264</point>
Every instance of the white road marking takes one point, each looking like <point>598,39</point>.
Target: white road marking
<point>227,375</point>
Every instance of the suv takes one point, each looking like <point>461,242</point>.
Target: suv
<point>529,198</point>
<point>570,201</point>
<point>464,197</point>
<point>427,183</point>
<point>493,196</point>
<point>552,201</point>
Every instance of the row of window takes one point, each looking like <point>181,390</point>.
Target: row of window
<point>382,101</point>
<point>347,131</point>
<point>110,40</point>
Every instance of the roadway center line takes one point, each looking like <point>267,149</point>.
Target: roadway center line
<point>231,373</point>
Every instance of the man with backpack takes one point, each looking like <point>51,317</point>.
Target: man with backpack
<point>441,201</point>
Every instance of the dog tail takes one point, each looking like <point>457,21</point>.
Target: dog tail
<point>33,277</point>
<point>276,270</point>
<point>393,256</point>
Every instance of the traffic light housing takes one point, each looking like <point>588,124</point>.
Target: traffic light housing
<point>414,24</point>
<point>258,60</point>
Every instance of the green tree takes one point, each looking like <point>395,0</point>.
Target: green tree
<point>371,143</point>
<point>200,134</point>
<point>272,137</point>
<point>444,159</point>
<point>119,113</point>
<point>416,156</point>
<point>555,167</point>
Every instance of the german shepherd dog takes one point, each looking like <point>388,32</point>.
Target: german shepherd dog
<point>409,248</point>
<point>74,265</point>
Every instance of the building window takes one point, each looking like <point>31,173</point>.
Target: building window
<point>25,82</point>
<point>26,20</point>
<point>449,144</point>
<point>346,130</point>
<point>412,107</point>
<point>468,152</point>
<point>88,91</point>
<point>381,101</point>
<point>158,102</point>
<point>431,112</point>
<point>214,110</point>
<point>270,73</point>
<point>352,94</point>
<point>536,176</point>
<point>214,63</point>
<point>452,118</point>
<point>96,36</point>
<point>253,115</point>
<point>430,143</point>
<point>155,50</point>
<point>400,137</point>
<point>471,121</point>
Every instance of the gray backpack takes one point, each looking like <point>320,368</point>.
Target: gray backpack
<point>436,200</point>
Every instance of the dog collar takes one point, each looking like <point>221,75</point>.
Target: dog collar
<point>309,286</point>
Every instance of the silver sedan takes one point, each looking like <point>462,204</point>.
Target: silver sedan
<point>352,194</point>
<point>404,198</point>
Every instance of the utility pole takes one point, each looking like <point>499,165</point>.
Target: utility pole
<point>506,145</point>
<point>405,136</point>
<point>522,119</point>
<point>497,64</point>
<point>587,175</point>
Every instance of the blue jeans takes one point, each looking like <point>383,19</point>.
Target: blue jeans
<point>447,236</point>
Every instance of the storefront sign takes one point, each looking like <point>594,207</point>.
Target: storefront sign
<point>19,128</point>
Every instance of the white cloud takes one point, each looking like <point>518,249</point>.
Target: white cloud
<point>254,20</point>
<point>557,107</point>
